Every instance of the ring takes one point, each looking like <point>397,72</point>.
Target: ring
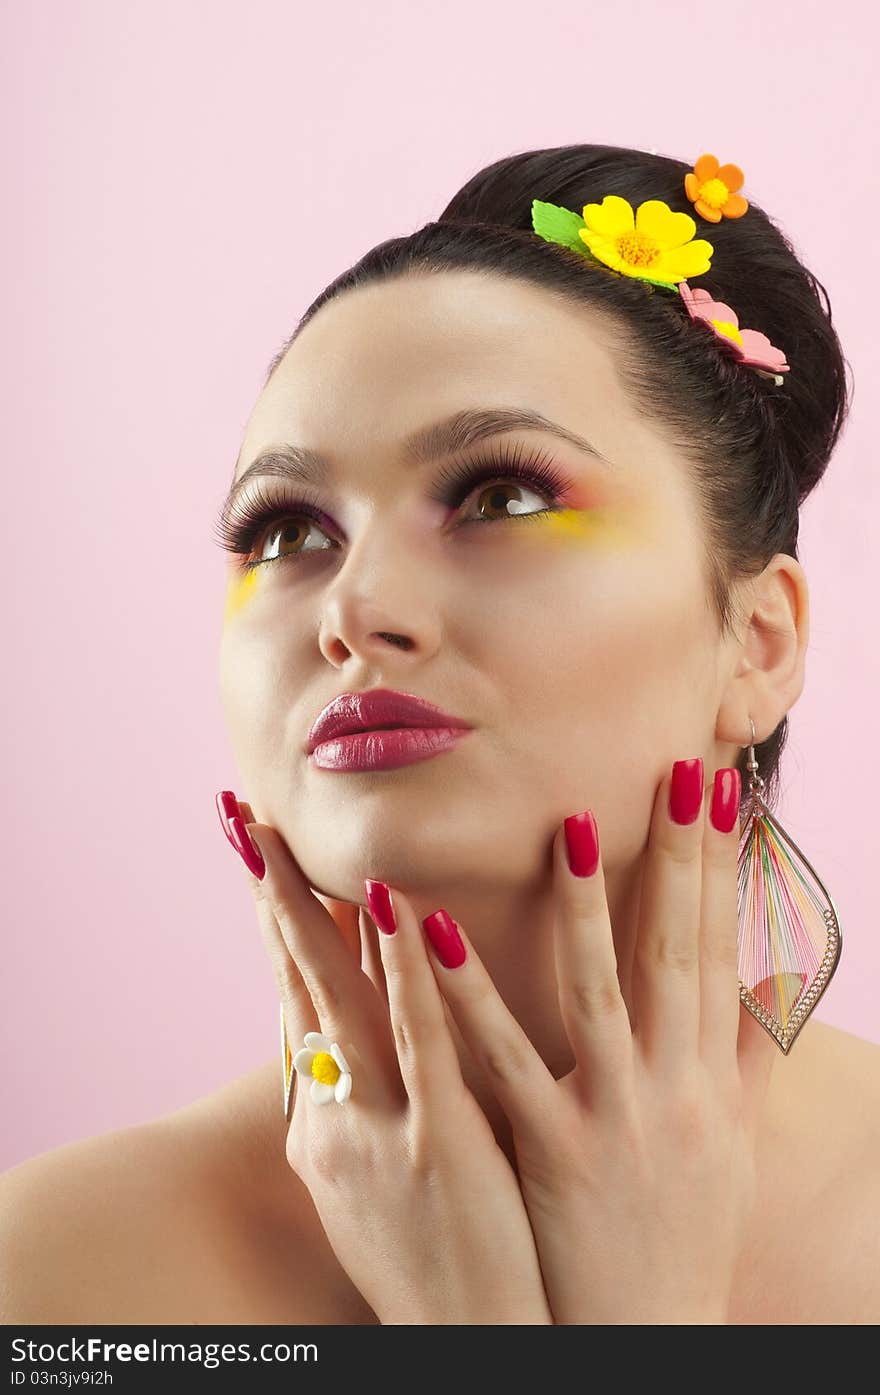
<point>322,1062</point>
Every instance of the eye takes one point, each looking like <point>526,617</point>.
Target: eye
<point>505,499</point>
<point>294,534</point>
<point>494,497</point>
<point>266,528</point>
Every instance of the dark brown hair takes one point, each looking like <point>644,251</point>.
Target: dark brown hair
<point>756,450</point>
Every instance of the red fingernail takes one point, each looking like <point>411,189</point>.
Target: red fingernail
<point>227,808</point>
<point>725,799</point>
<point>448,944</point>
<point>242,842</point>
<point>582,842</point>
<point>686,790</point>
<point>381,909</point>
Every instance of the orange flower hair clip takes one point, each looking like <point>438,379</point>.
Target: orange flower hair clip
<point>711,189</point>
<point>654,243</point>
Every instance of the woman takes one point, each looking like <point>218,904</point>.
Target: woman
<point>549,1106</point>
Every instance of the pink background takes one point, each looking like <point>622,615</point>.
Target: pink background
<point>179,181</point>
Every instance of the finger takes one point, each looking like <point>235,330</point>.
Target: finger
<point>344,913</point>
<point>493,1036</point>
<point>719,927</point>
<point>593,1008</point>
<point>298,1016</point>
<point>426,1054</point>
<point>296,1001</point>
<point>297,1011</point>
<point>347,1007</point>
<point>666,960</point>
<point>371,956</point>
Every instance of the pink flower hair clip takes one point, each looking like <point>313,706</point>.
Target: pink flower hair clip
<point>750,346</point>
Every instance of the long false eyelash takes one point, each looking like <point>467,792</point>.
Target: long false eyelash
<point>238,532</point>
<point>536,467</point>
<point>248,522</point>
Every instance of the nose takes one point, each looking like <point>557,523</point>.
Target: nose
<point>384,596</point>
<point>340,641</point>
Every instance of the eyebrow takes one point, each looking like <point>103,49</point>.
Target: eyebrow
<point>457,432</point>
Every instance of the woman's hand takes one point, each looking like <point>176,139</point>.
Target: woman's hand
<point>418,1201</point>
<point>637,1168</point>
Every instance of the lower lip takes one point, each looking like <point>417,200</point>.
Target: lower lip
<point>384,750</point>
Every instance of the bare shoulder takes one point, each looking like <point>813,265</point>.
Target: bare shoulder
<point>845,1131</point>
<point>82,1229</point>
<point>846,1072</point>
<point>190,1218</point>
<point>814,1256</point>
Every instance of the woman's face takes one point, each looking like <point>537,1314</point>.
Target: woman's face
<point>581,647</point>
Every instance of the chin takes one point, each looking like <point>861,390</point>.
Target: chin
<point>348,884</point>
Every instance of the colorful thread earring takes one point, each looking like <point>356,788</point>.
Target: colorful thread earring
<point>789,929</point>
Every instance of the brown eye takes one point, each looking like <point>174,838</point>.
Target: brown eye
<point>291,539</point>
<point>492,501</point>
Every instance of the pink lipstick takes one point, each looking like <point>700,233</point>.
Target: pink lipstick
<point>384,750</point>
<point>379,729</point>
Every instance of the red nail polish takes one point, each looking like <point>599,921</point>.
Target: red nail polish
<point>686,790</point>
<point>725,799</point>
<point>448,944</point>
<point>227,808</point>
<point>582,842</point>
<point>381,909</point>
<point>243,844</point>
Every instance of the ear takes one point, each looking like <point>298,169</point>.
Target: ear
<point>767,656</point>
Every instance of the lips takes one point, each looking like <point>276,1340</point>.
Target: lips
<point>378,709</point>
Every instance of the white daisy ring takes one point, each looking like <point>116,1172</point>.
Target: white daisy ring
<point>324,1064</point>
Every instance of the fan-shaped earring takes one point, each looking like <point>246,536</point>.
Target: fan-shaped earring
<point>287,1071</point>
<point>789,931</point>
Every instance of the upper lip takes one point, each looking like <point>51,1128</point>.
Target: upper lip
<point>379,707</point>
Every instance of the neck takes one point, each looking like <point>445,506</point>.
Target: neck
<point>514,936</point>
<point>515,940</point>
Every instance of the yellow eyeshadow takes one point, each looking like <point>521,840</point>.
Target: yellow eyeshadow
<point>593,527</point>
<point>239,590</point>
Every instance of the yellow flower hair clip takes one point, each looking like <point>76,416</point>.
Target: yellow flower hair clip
<point>655,244</point>
<point>652,244</point>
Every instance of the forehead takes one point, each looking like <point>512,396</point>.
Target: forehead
<point>383,360</point>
